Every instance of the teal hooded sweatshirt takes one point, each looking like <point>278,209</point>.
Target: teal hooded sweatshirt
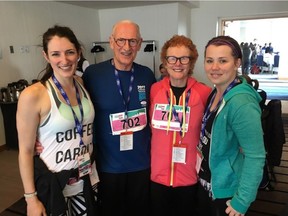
<point>237,152</point>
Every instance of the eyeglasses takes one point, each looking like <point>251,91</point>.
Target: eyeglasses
<point>184,60</point>
<point>122,41</point>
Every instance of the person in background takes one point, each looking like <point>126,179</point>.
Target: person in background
<point>269,49</point>
<point>120,90</point>
<point>269,61</point>
<point>253,61</point>
<point>231,151</point>
<point>177,105</point>
<point>83,63</point>
<point>263,49</point>
<point>58,113</point>
<point>246,60</point>
<point>163,71</point>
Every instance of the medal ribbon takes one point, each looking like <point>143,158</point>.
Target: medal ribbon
<point>182,122</point>
<point>208,113</point>
<point>78,123</point>
<point>120,89</point>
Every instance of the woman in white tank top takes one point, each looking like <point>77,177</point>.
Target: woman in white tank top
<point>57,112</point>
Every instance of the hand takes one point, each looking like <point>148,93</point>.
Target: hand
<point>38,148</point>
<point>35,207</point>
<point>230,211</point>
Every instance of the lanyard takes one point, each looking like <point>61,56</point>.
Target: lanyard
<point>208,113</point>
<point>120,89</point>
<point>175,114</point>
<point>78,124</point>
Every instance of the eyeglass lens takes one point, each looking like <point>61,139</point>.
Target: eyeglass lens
<point>122,41</point>
<point>183,60</point>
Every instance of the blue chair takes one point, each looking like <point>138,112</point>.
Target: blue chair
<point>261,64</point>
<point>260,61</point>
<point>276,63</point>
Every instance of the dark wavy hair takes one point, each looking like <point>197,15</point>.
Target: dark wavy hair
<point>180,40</point>
<point>228,41</point>
<point>60,31</point>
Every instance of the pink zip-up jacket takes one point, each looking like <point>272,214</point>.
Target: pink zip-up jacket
<point>163,170</point>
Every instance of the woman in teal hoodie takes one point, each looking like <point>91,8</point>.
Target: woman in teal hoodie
<point>231,150</point>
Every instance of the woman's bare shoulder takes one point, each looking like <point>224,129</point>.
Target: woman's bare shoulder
<point>33,92</point>
<point>34,96</point>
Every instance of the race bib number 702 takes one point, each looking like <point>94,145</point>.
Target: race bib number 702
<point>136,120</point>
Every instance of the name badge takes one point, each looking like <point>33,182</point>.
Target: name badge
<point>179,154</point>
<point>84,164</point>
<point>199,159</point>
<point>126,141</point>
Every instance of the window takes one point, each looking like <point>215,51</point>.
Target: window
<point>261,31</point>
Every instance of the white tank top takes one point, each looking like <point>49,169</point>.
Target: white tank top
<point>58,134</point>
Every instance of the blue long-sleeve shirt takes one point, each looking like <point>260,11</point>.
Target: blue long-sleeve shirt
<point>100,81</point>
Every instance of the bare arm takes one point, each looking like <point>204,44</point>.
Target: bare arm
<point>28,118</point>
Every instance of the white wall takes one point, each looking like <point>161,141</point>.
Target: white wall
<point>23,23</point>
<point>184,20</point>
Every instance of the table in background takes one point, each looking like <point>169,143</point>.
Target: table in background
<point>9,116</point>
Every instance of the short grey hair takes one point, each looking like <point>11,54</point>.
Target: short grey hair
<point>126,22</point>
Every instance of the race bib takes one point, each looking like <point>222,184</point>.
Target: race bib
<point>161,114</point>
<point>136,120</point>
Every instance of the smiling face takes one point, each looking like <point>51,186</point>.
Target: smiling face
<point>220,66</point>
<point>178,72</point>
<point>62,56</point>
<point>125,54</point>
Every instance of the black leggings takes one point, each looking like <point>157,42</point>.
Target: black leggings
<point>209,207</point>
<point>171,201</point>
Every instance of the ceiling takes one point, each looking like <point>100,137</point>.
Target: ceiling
<point>122,4</point>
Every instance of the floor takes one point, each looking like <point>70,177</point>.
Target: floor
<point>11,188</point>
<point>274,202</point>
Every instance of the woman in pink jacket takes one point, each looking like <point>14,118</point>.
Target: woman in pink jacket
<point>177,105</point>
